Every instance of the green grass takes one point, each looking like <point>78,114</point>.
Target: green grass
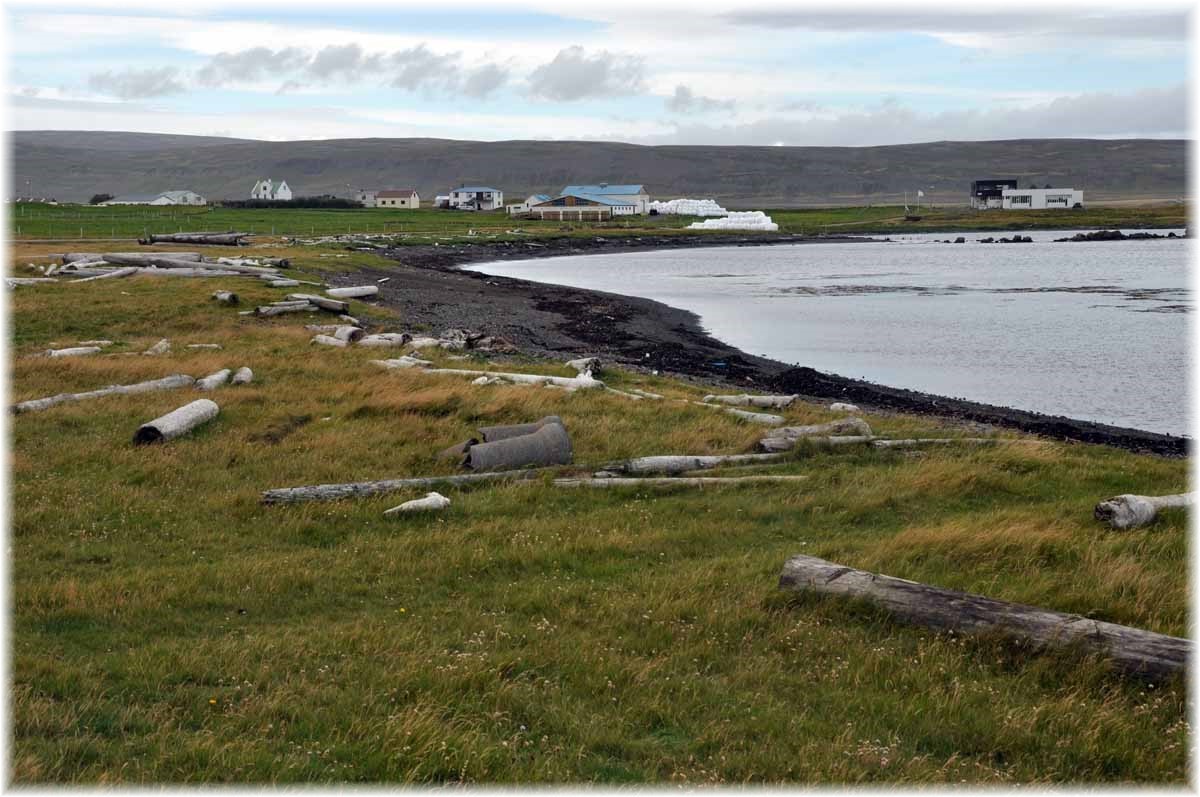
<point>167,627</point>
<point>68,222</point>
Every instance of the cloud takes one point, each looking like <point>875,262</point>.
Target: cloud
<point>684,100</point>
<point>346,61</point>
<point>574,75</point>
<point>483,81</point>
<point>420,68</point>
<point>248,66</point>
<point>1158,112</point>
<point>132,84</point>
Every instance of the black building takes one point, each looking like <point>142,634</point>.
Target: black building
<point>989,193</point>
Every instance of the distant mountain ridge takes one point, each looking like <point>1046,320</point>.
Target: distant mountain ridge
<point>71,166</point>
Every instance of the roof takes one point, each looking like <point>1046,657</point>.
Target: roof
<point>136,198</point>
<point>473,188</point>
<point>177,194</point>
<point>600,200</point>
<point>541,197</point>
<point>404,192</point>
<point>603,188</point>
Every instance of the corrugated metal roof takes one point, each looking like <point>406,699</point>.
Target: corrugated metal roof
<point>474,188</point>
<point>135,198</point>
<point>602,189</point>
<point>601,200</point>
<point>396,192</point>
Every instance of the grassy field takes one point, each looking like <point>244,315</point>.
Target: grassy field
<point>167,627</point>
<point>66,222</point>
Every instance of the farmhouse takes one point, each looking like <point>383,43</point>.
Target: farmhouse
<point>623,195</point>
<point>530,201</point>
<point>389,198</point>
<point>161,198</point>
<point>476,197</point>
<point>266,189</point>
<point>1041,198</point>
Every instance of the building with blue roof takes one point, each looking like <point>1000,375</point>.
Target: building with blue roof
<point>625,194</point>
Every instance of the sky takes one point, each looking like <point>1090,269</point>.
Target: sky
<point>662,72</point>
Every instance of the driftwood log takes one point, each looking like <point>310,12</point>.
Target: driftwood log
<point>913,442</point>
<point>206,238</point>
<point>676,481</point>
<point>403,362</point>
<point>1130,649</point>
<point>746,400</point>
<point>332,305</point>
<point>584,380</point>
<point>842,426</point>
<point>549,445</point>
<point>359,292</point>
<point>225,297</point>
<point>214,380</point>
<point>841,406</point>
<point>334,492</point>
<point>284,283</point>
<point>266,311</point>
<point>681,463</point>
<point>116,273</point>
<point>348,333</point>
<point>176,423</point>
<point>74,351</point>
<point>778,444</point>
<point>385,340</point>
<point>592,364</point>
<point>490,434</point>
<point>328,340</point>
<point>242,376</point>
<point>15,281</point>
<point>757,417</point>
<point>1130,511</point>
<point>430,503</point>
<point>162,347</point>
<point>83,257</point>
<point>166,383</point>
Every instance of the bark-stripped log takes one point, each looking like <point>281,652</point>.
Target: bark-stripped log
<point>402,362</point>
<point>166,383</point>
<point>214,380</point>
<point>777,444</point>
<point>681,463</point>
<point>645,393</point>
<point>266,311</point>
<point>1130,511</point>
<point>226,297</point>
<point>332,305</point>
<point>162,347</point>
<point>348,333</point>
<point>82,257</point>
<point>74,351</point>
<point>284,283</point>
<point>333,492</point>
<point>549,445</point>
<point>746,400</point>
<point>205,238</point>
<point>176,423</point>
<point>203,346</point>
<point>326,340</point>
<point>757,417</point>
<point>386,340</point>
<point>201,273</point>
<point>242,376</point>
<point>167,261</point>
<point>842,426</point>
<point>15,281</point>
<point>359,292</point>
<point>841,406</point>
<point>1130,649</point>
<point>584,380</point>
<point>114,274</point>
<point>944,441</point>
<point>432,502</point>
<point>100,343</point>
<point>676,481</point>
<point>424,342</point>
<point>592,364</point>
<point>490,434</point>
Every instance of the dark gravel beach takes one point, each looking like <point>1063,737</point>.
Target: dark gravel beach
<point>428,289</point>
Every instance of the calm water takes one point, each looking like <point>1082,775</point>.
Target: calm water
<point>1089,330</point>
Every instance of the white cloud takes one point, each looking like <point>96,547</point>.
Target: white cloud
<point>136,84</point>
<point>684,100</point>
<point>576,75</point>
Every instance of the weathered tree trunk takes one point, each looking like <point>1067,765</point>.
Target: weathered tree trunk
<point>162,347</point>
<point>424,342</point>
<point>243,376</point>
<point>284,283</point>
<point>333,492</point>
<point>201,273</point>
<point>359,292</point>
<point>206,238</point>
<point>1130,511</point>
<point>673,481</point>
<point>332,305</point>
<point>385,340</point>
<point>114,274</point>
<point>100,343</point>
<point>214,380</point>
<point>166,383</point>
<point>584,380</point>
<point>778,444</point>
<point>645,393</point>
<point>74,351</point>
<point>348,333</point>
<point>757,417</point>
<point>842,426</point>
<point>269,310</point>
<point>1131,649</point>
<point>549,445</point>
<point>942,441</point>
<point>226,297</point>
<point>176,423</point>
<point>430,503</point>
<point>203,346</point>
<point>840,406</point>
<point>586,364</point>
<point>681,463</point>
<point>490,434</point>
<point>403,362</point>
<point>167,261</point>
<point>326,340</point>
<point>15,281</point>
<point>746,400</point>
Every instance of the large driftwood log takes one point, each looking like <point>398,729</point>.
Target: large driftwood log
<point>549,445</point>
<point>266,311</point>
<point>348,333</point>
<point>214,380</point>
<point>166,383</point>
<point>841,406</point>
<point>225,297</point>
<point>333,492</point>
<point>332,305</point>
<point>1131,649</point>
<point>176,423</point>
<point>327,340</point>
<point>162,347</point>
<point>490,434</point>
<point>842,426</point>
<point>746,400</point>
<point>757,417</point>
<point>586,364</point>
<point>430,503</point>
<point>358,292</point>
<point>1130,511</point>
<point>169,261</point>
<point>584,380</point>
<point>15,281</point>
<point>681,463</point>
<point>206,238</point>
<point>284,283</point>
<point>402,362</point>
<point>74,351</point>
<point>677,481</point>
<point>242,376</point>
<point>116,273</point>
<point>912,442</point>
<point>778,444</point>
<point>385,340</point>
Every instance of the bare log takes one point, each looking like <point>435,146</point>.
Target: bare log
<point>285,283</point>
<point>746,400</point>
<point>841,406</point>
<point>1130,649</point>
<point>681,463</point>
<point>169,261</point>
<point>114,274</point>
<point>162,347</point>
<point>359,292</point>
<point>214,380</point>
<point>205,238</point>
<point>490,434</point>
<point>584,380</point>
<point>203,346</point>
<point>777,444</point>
<point>243,376</point>
<point>1130,511</point>
<point>74,351</point>
<point>166,383</point>
<point>676,481</point>
<point>645,393</point>
<point>348,333</point>
<point>100,343</point>
<point>332,305</point>
<point>15,281</point>
<point>176,423</point>
<point>424,342</point>
<point>589,364</point>
<point>333,492</point>
<point>549,445</point>
<point>226,298</point>
<point>432,502</point>
<point>266,311</point>
<point>402,362</point>
<point>385,340</point>
<point>842,426</point>
<point>757,417</point>
<point>326,340</point>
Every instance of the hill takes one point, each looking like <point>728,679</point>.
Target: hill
<point>74,165</point>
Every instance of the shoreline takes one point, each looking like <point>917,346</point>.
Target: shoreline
<point>429,287</point>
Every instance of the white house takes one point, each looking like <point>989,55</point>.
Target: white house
<point>476,197</point>
<point>396,198</point>
<point>624,196</point>
<point>161,198</point>
<point>530,201</point>
<point>266,189</point>
<point>1040,198</point>
<point>582,207</point>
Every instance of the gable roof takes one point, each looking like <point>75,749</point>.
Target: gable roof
<point>603,189</point>
<point>600,200</point>
<point>177,194</point>
<point>396,192</point>
<point>135,198</point>
<point>474,188</point>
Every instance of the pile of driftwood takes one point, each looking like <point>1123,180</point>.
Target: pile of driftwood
<point>201,238</point>
<point>90,266</point>
<point>541,443</point>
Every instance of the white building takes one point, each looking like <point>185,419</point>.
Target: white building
<point>161,198</point>
<point>581,207</point>
<point>523,207</point>
<point>624,196</point>
<point>266,189</point>
<point>397,198</point>
<point>476,197</point>
<point>1040,198</point>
